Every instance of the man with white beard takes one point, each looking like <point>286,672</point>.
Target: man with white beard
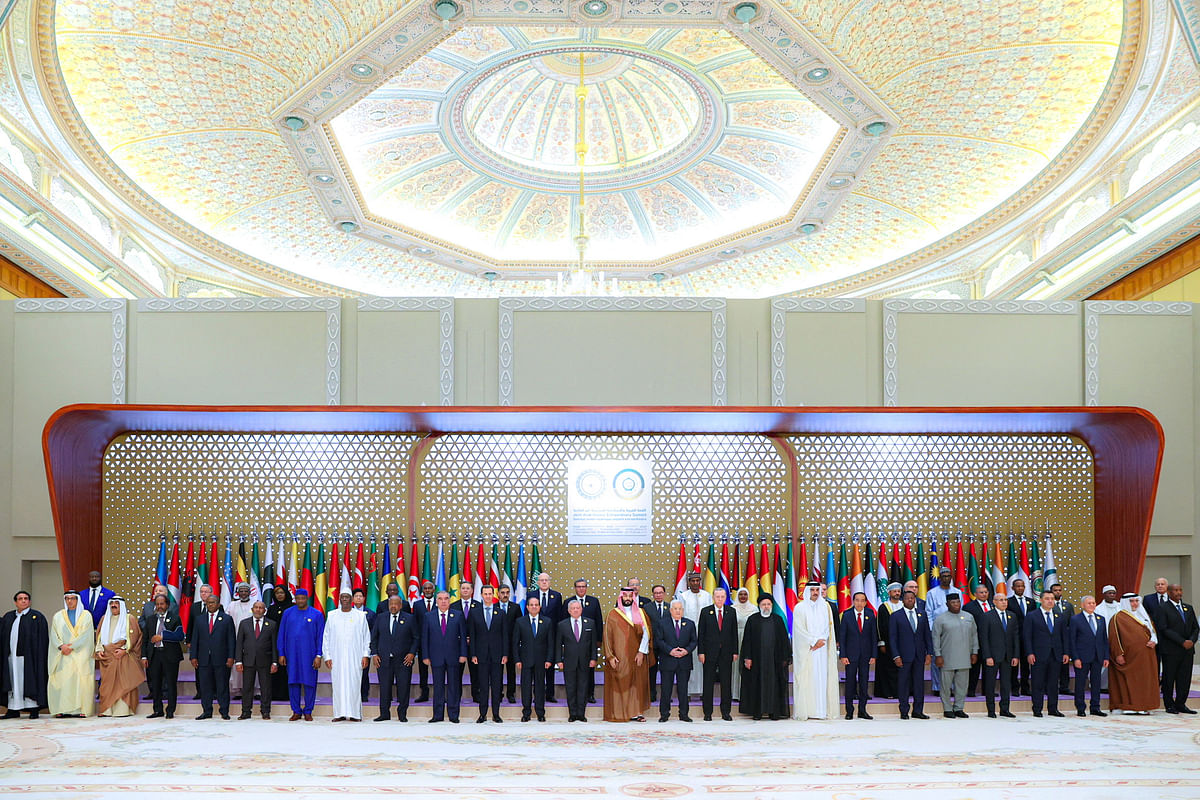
<point>814,657</point>
<point>240,608</point>
<point>694,600</point>
<point>346,648</point>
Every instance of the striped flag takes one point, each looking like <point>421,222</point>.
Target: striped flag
<point>843,584</point>
<point>371,577</point>
<point>1014,566</point>
<point>725,584</point>
<point>856,576</point>
<point>779,587</point>
<point>160,569</point>
<point>414,573</point>
<point>815,570</point>
<point>870,587</point>
<point>750,584</point>
<point>334,577</point>
<point>1035,563</point>
<point>226,575</point>
<point>922,575</point>
<point>508,579</point>
<point>454,578</point>
<point>765,581</point>
<point>709,579</point>
<point>256,592</point>
<point>1049,573</point>
<point>267,576</point>
<point>831,575</point>
<point>173,574</point>
<point>999,581</point>
<point>1026,573</point>
<point>306,572</point>
<point>320,596</point>
<point>439,576</point>
<point>680,568</point>
<point>358,578</point>
<point>881,573</point>
<point>520,583</point>
<point>293,574</point>
<point>386,567</point>
<point>791,591</point>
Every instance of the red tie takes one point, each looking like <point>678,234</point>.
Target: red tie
<point>985,608</point>
<point>211,617</point>
<point>860,622</point>
<point>718,619</point>
<point>257,628</point>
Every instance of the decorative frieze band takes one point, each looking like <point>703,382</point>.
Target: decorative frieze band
<point>119,310</point>
<point>445,308</point>
<point>1092,310</point>
<point>508,305</point>
<point>780,307</point>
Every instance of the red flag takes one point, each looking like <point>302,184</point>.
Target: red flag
<point>802,567</point>
<point>359,583</point>
<point>960,568</point>
<point>750,581</point>
<point>214,569</point>
<point>188,588</point>
<point>729,589</point>
<point>414,575</point>
<point>334,578</point>
<point>481,568</point>
<point>765,573</point>
<point>399,572</point>
<point>735,577</point>
<point>947,558</point>
<point>681,569</point>
<point>468,571</point>
<point>908,561</point>
<point>173,574</point>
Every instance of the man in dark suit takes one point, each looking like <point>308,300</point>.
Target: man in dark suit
<point>677,639</point>
<point>1020,605</point>
<point>658,609</point>
<point>162,650</point>
<point>552,610</point>
<point>911,644</point>
<point>95,597</point>
<point>487,645</point>
<point>254,656</point>
<point>426,603</point>
<point>591,610</point>
<point>395,641</point>
<point>533,641</point>
<point>858,644</point>
<point>999,650</point>
<point>465,604</point>
<point>510,611</point>
<point>1152,602</point>
<point>212,647</point>
<point>717,645</point>
<point>636,584</point>
<point>1067,609</point>
<point>393,590</point>
<point>1088,644</point>
<point>444,650</point>
<point>1045,635</point>
<point>979,606</point>
<point>1177,634</point>
<point>577,650</point>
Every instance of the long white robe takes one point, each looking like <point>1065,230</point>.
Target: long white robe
<point>814,672</point>
<point>346,643</point>
<point>71,688</point>
<point>744,611</point>
<point>17,701</point>
<point>693,602</point>
<point>239,611</point>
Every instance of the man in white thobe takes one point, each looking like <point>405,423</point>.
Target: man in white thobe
<point>694,599</point>
<point>240,607</point>
<point>347,651</point>
<point>814,657</point>
<point>71,687</point>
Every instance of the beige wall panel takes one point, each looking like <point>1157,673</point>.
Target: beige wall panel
<point>748,344</point>
<point>244,357</point>
<point>612,358</point>
<point>826,359</point>
<point>1147,361</point>
<point>476,362</point>
<point>59,359</point>
<point>398,359</point>
<point>988,359</point>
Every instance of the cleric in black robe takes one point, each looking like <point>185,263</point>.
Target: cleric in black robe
<point>27,651</point>
<point>766,653</point>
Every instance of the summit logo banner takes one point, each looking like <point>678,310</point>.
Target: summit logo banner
<point>610,501</point>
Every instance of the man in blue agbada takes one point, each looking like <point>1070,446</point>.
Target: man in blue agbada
<point>301,630</point>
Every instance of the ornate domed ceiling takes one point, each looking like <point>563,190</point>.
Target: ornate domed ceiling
<point>373,147</point>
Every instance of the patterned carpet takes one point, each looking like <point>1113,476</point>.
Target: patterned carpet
<point>884,758</point>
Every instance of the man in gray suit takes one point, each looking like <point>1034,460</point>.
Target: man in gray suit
<point>955,649</point>
<point>255,657</point>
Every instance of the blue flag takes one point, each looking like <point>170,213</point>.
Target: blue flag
<point>522,585</point>
<point>160,571</point>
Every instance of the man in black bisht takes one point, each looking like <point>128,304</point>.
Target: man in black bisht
<point>24,648</point>
<point>766,653</point>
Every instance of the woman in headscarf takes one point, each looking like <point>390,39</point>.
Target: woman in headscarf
<point>282,602</point>
<point>118,652</point>
<point>1133,671</point>
<point>744,610</point>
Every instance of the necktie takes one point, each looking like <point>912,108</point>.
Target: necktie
<point>719,619</point>
<point>94,592</point>
<point>393,628</point>
<point>543,599</point>
<point>534,621</point>
<point>577,630</point>
<point>212,618</point>
<point>1003,620</point>
<point>1092,622</point>
<point>1180,607</point>
<point>859,615</point>
<point>660,609</point>
<point>1049,622</point>
<point>678,630</point>
<point>912,620</point>
<point>487,617</point>
<point>985,607</point>
<point>443,623</point>
<point>257,627</point>
<point>159,631</point>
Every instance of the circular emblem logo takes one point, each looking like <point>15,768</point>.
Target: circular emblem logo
<point>628,484</point>
<point>590,484</point>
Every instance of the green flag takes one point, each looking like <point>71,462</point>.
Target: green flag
<point>509,577</point>
<point>536,562</point>
<point>454,579</point>
<point>922,576</point>
<point>373,578</point>
<point>1035,566</point>
<point>426,565</point>
<point>972,571</point>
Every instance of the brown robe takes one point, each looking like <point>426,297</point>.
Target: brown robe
<point>626,685</point>
<point>1132,686</point>
<point>120,676</point>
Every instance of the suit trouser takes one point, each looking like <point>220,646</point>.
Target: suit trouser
<point>1088,673</point>
<point>473,671</point>
<point>511,670</point>
<point>1064,678</point>
<point>912,684</point>
<point>1176,678</point>
<point>550,683</point>
<point>935,678</point>
<point>365,686</point>
<point>213,680</point>
<point>163,675</point>
<point>954,682</point>
<point>423,672</point>
<point>301,705</point>
<point>491,685</point>
<point>857,673</point>
<point>533,688</point>
<point>1043,682</point>
<point>447,690</point>
<point>718,670</point>
<point>262,675</point>
<point>1002,673</point>
<point>394,673</point>
<point>575,682</point>
<point>653,681</point>
<point>679,679</point>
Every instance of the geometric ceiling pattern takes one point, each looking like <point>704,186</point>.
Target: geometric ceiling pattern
<point>180,106</point>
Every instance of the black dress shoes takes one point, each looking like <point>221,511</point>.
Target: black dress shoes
<point>1056,713</point>
<point>1081,713</point>
<point>155,715</point>
<point>382,718</point>
<point>11,715</point>
<point>961,714</point>
<point>1008,714</point>
<point>920,716</point>
<point>708,717</point>
<point>243,716</point>
<point>482,718</point>
<point>663,719</point>
<point>204,716</point>
<point>525,718</point>
<point>496,718</point>
<point>991,715</point>
<point>850,714</point>
<point>225,715</point>
<point>903,715</point>
<point>1037,714</point>
<point>1180,709</point>
<point>864,715</point>
<point>727,717</point>
<point>1099,714</point>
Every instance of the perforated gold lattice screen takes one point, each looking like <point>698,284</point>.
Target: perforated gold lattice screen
<point>940,484</point>
<point>291,482</point>
<point>512,485</point>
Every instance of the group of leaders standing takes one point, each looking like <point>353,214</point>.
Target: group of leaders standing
<point>696,643</point>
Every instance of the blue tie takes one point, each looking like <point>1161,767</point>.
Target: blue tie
<point>1049,622</point>
<point>1003,620</point>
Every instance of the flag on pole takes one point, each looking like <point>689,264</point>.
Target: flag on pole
<point>999,579</point>
<point>802,564</point>
<point>454,578</point>
<point>535,560</point>
<point>881,573</point>
<point>779,586</point>
<point>240,563</point>
<point>843,584</point>
<point>521,583</point>
<point>267,575</point>
<point>160,569</point>
<point>321,600</point>
<point>359,573</point>
<point>371,579</point>
<point>306,572</point>
<point>188,589</point>
<point>870,587</point>
<point>414,571</point>
<point>1035,563</point>
<point>856,576</point>
<point>815,569</point>
<point>973,574</point>
<point>725,584</point>
<point>201,570</point>
<point>173,574</point>
<point>481,570</point>
<point>751,580</point>
<point>947,559</point>
<point>214,568</point>
<point>765,578</point>
<point>439,577</point>
<point>1014,566</point>
<point>708,578</point>
<point>281,578</point>
<point>985,567</point>
<point>509,578</point>
<point>960,573</point>
<point>831,574</point>
<point>334,578</point>
<point>468,574</point>
<point>1026,572</point>
<point>680,568</point>
<point>386,567</point>
<point>907,572</point>
<point>1049,573</point>
<point>494,567</point>
<point>293,575</point>
<point>227,576</point>
<point>791,590</point>
<point>427,564</point>
<point>921,574</point>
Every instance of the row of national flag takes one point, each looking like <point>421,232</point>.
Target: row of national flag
<point>848,568</point>
<point>323,573</point>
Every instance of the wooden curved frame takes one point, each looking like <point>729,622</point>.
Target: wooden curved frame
<point>1126,444</point>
